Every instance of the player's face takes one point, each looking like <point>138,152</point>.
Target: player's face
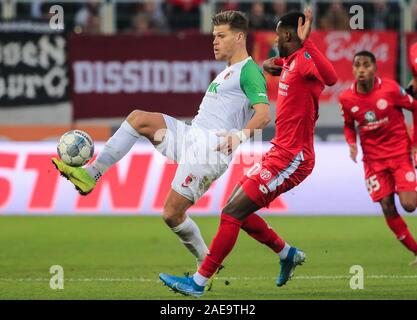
<point>224,43</point>
<point>280,42</point>
<point>363,69</point>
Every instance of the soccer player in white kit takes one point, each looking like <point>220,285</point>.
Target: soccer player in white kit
<point>236,101</point>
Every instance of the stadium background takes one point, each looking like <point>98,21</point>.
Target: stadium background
<point>113,56</point>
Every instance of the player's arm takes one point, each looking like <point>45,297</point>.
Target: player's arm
<point>323,66</point>
<point>406,101</point>
<point>273,66</point>
<point>349,131</point>
<point>259,120</point>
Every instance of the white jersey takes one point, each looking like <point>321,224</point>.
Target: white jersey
<point>229,98</point>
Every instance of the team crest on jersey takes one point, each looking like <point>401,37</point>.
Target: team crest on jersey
<point>265,174</point>
<point>228,75</point>
<point>307,55</point>
<point>370,116</point>
<point>410,176</point>
<point>354,109</point>
<point>190,178</point>
<point>382,104</point>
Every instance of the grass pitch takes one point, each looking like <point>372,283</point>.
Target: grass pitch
<point>121,257</point>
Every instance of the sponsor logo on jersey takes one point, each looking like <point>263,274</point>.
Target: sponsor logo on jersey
<point>228,75</point>
<point>382,104</point>
<point>370,116</point>
<point>265,174</point>
<point>410,176</point>
<point>213,87</point>
<point>283,86</point>
<point>307,55</point>
<point>354,109</point>
<point>190,178</point>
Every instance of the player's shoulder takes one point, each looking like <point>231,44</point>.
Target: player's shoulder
<point>250,71</point>
<point>303,57</point>
<point>391,86</point>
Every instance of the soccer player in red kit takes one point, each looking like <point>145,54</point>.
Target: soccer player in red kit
<point>376,104</point>
<point>305,71</point>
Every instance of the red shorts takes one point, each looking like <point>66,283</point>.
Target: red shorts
<point>387,176</point>
<point>274,175</point>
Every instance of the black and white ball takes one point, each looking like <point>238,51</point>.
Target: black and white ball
<point>75,148</point>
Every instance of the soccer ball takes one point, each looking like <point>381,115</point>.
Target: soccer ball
<point>75,148</point>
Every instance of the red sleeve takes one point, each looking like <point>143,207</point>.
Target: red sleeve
<point>413,59</point>
<point>349,124</point>
<point>404,100</point>
<point>323,65</point>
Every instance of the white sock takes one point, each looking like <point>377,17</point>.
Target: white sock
<point>114,150</point>
<point>199,279</point>
<point>284,252</point>
<point>190,236</point>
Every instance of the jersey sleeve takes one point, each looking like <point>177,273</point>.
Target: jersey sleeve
<point>321,67</point>
<point>349,123</point>
<point>253,84</point>
<point>413,59</point>
<point>402,99</point>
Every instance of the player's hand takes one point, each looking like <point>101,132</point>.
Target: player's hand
<point>303,30</point>
<point>230,143</point>
<point>353,151</point>
<point>270,67</point>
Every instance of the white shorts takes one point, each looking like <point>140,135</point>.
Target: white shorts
<point>194,149</point>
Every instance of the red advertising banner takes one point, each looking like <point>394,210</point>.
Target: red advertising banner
<point>113,75</point>
<point>339,47</point>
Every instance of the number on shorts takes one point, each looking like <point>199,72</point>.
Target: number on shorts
<point>373,184</point>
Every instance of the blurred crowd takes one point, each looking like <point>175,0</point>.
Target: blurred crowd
<point>158,16</point>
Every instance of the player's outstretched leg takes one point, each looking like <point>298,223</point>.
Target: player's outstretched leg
<point>398,226</point>
<point>137,124</point>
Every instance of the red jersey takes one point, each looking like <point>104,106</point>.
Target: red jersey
<point>379,117</point>
<point>413,59</point>
<point>303,76</point>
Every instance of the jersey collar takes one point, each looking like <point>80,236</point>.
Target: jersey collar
<point>377,85</point>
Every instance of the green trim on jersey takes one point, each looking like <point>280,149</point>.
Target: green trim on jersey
<point>253,83</point>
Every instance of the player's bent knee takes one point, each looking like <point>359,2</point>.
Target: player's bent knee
<point>233,210</point>
<point>136,119</point>
<point>408,206</point>
<point>173,217</point>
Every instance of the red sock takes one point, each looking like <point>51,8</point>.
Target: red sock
<point>221,245</point>
<point>258,229</point>
<point>399,227</point>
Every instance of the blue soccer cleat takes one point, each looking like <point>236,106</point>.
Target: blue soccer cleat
<point>184,285</point>
<point>294,258</point>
